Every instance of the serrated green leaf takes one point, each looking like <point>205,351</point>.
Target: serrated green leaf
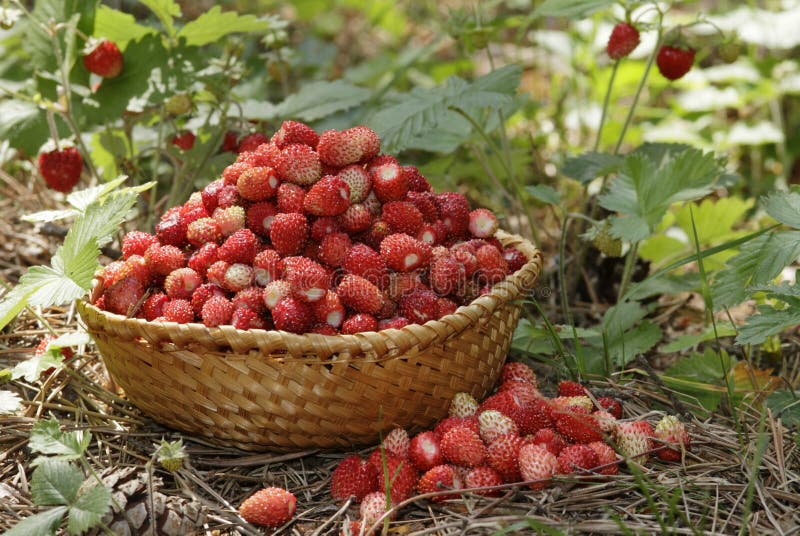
<point>47,438</point>
<point>321,99</point>
<point>684,342</point>
<point>23,125</point>
<point>10,402</point>
<point>49,215</point>
<point>38,43</point>
<point>108,148</point>
<point>214,24</point>
<point>118,27</point>
<point>708,367</point>
<point>784,207</point>
<point>785,405</point>
<point>574,9</point>
<point>768,322</point>
<point>543,192</point>
<point>89,509</point>
<point>714,218</point>
<point>81,199</point>
<point>627,333</point>
<point>631,228</point>
<point>13,303</point>
<point>55,482</point>
<point>71,338</point>
<point>32,368</point>
<point>42,524</point>
<point>166,11</point>
<point>589,166</point>
<point>53,286</point>
<point>663,284</point>
<point>659,248</point>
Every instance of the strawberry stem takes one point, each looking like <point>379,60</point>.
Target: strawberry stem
<point>51,124</point>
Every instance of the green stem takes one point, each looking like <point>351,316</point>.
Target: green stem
<point>562,271</point>
<point>606,101</point>
<point>627,273</point>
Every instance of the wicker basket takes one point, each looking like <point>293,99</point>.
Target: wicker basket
<point>273,390</point>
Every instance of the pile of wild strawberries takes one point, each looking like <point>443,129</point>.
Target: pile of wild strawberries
<point>516,435</point>
<point>310,233</point>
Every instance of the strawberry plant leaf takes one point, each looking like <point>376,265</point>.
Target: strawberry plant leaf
<point>321,99</point>
<point>88,510</point>
<point>768,322</point>
<point>32,368</point>
<point>13,303</point>
<point>166,11</point>
<point>47,438</point>
<point>215,24</point>
<point>38,43</point>
<point>10,402</point>
<point>53,285</point>
<point>44,523</point>
<point>55,482</point>
<point>684,342</point>
<point>785,404</point>
<point>589,166</point>
<point>544,193</point>
<point>570,8</point>
<point>118,27</point>
<point>784,207</point>
<point>23,125</point>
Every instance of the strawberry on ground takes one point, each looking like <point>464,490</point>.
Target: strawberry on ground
<point>353,477</point>
<point>400,473</point>
<point>549,439</point>
<point>672,432</point>
<point>577,459</point>
<point>424,451</point>
<point>577,424</point>
<point>437,479</point>
<point>502,455</point>
<point>606,458</point>
<point>269,507</point>
<point>483,477</point>
<point>537,464</point>
<point>634,439</point>
<point>570,388</point>
<point>397,443</point>
<point>462,446</point>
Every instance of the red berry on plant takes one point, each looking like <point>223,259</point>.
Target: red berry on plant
<point>61,170</point>
<point>103,59</point>
<point>674,62</point>
<point>623,40</point>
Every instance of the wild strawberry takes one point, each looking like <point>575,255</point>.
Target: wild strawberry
<point>230,219</point>
<point>329,310</point>
<point>216,273</point>
<point>203,231</point>
<point>202,258</point>
<point>448,423</point>
<point>570,388</point>
<point>605,421</point>
<point>258,184</point>
<point>388,181</point>
<point>330,196</point>
<point>372,508</point>
<point>492,266</point>
<point>288,233</point>
<point>462,446</point>
<point>502,455</point>
<point>359,294</point>
<point>324,329</point>
<point>250,298</point>
<point>454,210</point>
<point>178,310</point>
<point>136,243</point>
<point>606,458</point>
<point>462,405</point>
<point>515,259</point>
<point>577,424</point>
<point>623,40</point>
<point>338,149</point>
<point>240,247</point>
<point>299,164</point>
<point>122,296</point>
<point>396,443</point>
<point>439,478</point>
<point>464,256</point>
<point>428,234</point>
<point>419,306</point>
<point>193,209</point>
<point>333,249</point>
<point>515,370</point>
<point>416,180</point>
<point>424,451</point>
<point>445,306</point>
<point>577,459</point>
<point>309,280</point>
<point>251,141</point>
<point>184,140</point>
<point>355,219</point>
<point>674,62</point>
<point>359,323</point>
<point>396,322</point>
<point>266,266</point>
<point>244,318</point>
<point>561,403</point>
<point>367,141</point>
<point>404,253</point>
<point>670,431</point>
<point>482,223</point>
<point>228,196</point>
<point>113,272</point>
<point>230,142</point>
<point>447,276</point>
<point>238,276</point>
<point>153,306</point>
<point>295,132</point>
<point>403,283</point>
<point>269,507</point>
<point>611,405</point>
<point>324,226</point>
<point>181,283</point>
<point>353,477</point>
<point>202,294</point>
<point>260,216</point>
<point>164,259</point>
<point>290,198</point>
<point>533,417</point>
<point>537,464</point>
<point>209,195</point>
<point>372,204</point>
<point>275,291</point>
<point>358,180</point>
<point>231,173</point>
<point>549,439</point>
<point>171,230</point>
<point>216,311</point>
<point>506,402</point>
<point>375,234</point>
<point>483,477</point>
<point>426,204</point>
<point>494,424</point>
<point>103,58</point>
<point>292,315</point>
<point>634,439</point>
<point>402,217</point>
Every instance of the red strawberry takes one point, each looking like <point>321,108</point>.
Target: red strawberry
<point>674,62</point>
<point>448,423</point>
<point>623,40</point>
<point>240,247</point>
<point>309,280</point>
<point>428,233</point>
<point>330,196</point>
<point>299,164</point>
<point>231,173</point>
<point>244,318</point>
<point>329,310</point>
<point>209,195</point>
<point>178,310</point>
<point>292,315</point>
<point>203,231</point>
<point>358,180</point>
<point>228,196</point>
<point>295,132</point>
<point>570,388</point>
<point>103,58</point>
<point>416,180</point>
<point>447,276</point>
<point>289,233</point>
<point>259,217</point>
<point>202,294</point>
<point>388,181</point>
<point>171,229</point>
<point>537,464</point>
<point>396,443</point>
<point>122,296</point>
<point>493,268</point>
<point>323,227</point>
<point>164,259</point>
<point>269,507</point>
<point>184,140</point>
<point>361,260</point>
<point>44,345</point>
<point>375,234</point>
<point>533,417</point>
<point>230,219</point>
<point>515,259</point>
<point>275,291</point>
<point>291,198</point>
<point>372,204</point>
<point>399,472</point>
<point>549,439</point>
<point>202,258</point>
<point>355,219</point>
<point>634,439</point>
<point>181,283</point>
<point>577,459</point>
<point>670,431</point>
<point>404,253</point>
<point>515,370</point>
<point>257,184</point>
<point>153,306</point>
<point>250,298</point>
<point>216,311</point>
<point>462,446</point>
<point>353,477</point>
<point>605,457</point>
<point>483,477</point>
<point>611,405</point>
<point>419,305</point>
<point>424,451</point>
<point>136,243</point>
<point>113,272</point>
<point>425,203</point>
<point>454,210</point>
<point>402,217</point>
<point>338,149</point>
<point>359,323</point>
<point>502,455</point>
<point>251,141</point>
<point>230,142</point>
<point>577,424</point>
<point>494,424</point>
<point>333,249</point>
<point>439,478</point>
<point>61,170</point>
<point>359,294</point>
<point>482,223</point>
<point>396,322</point>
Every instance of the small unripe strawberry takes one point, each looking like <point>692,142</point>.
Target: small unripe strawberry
<point>178,104</point>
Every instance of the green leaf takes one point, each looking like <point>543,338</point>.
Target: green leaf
<point>628,334</point>
<point>544,193</point>
<point>684,342</point>
<point>784,207</point>
<point>699,378</point>
<point>768,322</point>
<point>41,524</point>
<point>785,404</point>
<point>714,219</point>
<point>575,9</point>
<point>660,247</point>
<point>54,286</point>
<point>166,11</point>
<point>81,199</point>
<point>38,43</point>
<point>10,402</point>
<point>213,25</point>
<point>108,147</point>
<point>32,368</point>
<point>589,166</point>
<point>49,215</point>
<point>55,482</point>
<point>663,284</point>
<point>47,438</point>
<point>119,27</point>
<point>321,99</point>
<point>13,303</point>
<point>89,509</point>
<point>23,125</point>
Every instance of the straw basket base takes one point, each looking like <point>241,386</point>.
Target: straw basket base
<point>265,390</point>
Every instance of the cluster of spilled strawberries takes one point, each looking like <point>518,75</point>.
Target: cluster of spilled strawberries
<point>516,435</point>
<point>310,233</point>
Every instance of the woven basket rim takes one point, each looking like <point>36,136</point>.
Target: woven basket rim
<point>384,343</point>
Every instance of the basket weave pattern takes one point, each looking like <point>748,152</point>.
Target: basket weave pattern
<point>273,390</point>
